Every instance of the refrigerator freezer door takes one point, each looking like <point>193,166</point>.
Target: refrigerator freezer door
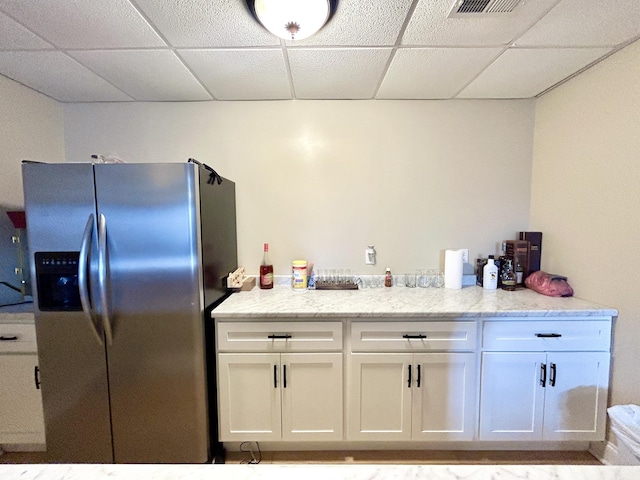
<point>156,359</point>
<point>59,200</point>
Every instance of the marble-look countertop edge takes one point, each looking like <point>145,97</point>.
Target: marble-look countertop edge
<point>21,318</point>
<point>422,315</point>
<point>319,472</point>
<point>403,303</point>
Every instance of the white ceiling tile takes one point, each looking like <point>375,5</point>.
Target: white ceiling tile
<point>578,23</point>
<point>173,50</point>
<point>145,75</point>
<point>246,74</point>
<point>14,36</point>
<point>430,26</point>
<point>524,73</point>
<point>207,23</point>
<point>362,23</point>
<point>85,24</point>
<point>422,73</point>
<point>334,73</point>
<point>58,76</point>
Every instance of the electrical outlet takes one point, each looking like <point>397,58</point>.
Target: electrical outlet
<point>370,255</point>
<point>465,255</point>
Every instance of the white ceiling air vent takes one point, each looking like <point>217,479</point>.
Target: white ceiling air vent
<point>473,8</point>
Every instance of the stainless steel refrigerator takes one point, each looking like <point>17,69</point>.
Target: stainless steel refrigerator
<point>126,259</point>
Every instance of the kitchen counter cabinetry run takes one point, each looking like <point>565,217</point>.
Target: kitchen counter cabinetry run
<point>402,367</point>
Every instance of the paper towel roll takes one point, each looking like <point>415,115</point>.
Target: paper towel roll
<point>453,268</point>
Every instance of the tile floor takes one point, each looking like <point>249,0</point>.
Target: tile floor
<point>413,457</point>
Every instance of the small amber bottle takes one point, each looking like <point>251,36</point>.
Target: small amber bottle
<point>388,280</point>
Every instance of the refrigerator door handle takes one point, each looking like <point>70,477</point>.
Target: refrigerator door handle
<point>102,277</point>
<point>83,262</point>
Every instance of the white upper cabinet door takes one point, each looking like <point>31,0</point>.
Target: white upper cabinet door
<point>575,395</point>
<point>379,397</point>
<point>249,396</point>
<point>312,396</point>
<point>511,399</point>
<point>444,396</point>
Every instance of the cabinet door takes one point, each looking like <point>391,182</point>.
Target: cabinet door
<point>511,397</point>
<point>379,405</point>
<point>312,396</point>
<point>21,418</point>
<point>249,396</point>
<point>444,396</point>
<point>575,403</point>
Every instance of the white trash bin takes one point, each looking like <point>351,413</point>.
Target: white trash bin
<point>625,424</point>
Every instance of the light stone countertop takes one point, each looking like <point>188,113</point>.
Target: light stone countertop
<point>402,302</point>
<point>318,472</point>
<point>20,313</point>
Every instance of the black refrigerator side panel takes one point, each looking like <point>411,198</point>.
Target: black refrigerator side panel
<point>220,256</point>
<point>219,236</point>
<point>59,203</point>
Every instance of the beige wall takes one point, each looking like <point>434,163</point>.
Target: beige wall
<point>586,197</point>
<point>320,180</point>
<point>31,126</point>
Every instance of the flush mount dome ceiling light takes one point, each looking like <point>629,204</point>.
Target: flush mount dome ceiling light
<point>292,19</point>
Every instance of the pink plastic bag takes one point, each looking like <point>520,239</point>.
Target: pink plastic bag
<point>549,284</point>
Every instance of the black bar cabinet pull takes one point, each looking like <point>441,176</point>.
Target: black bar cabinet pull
<point>410,337</point>
<point>409,381</point>
<point>9,339</point>
<point>275,376</point>
<point>279,337</point>
<point>548,335</point>
<point>419,376</point>
<point>543,374</point>
<point>552,376</point>
<point>36,376</point>
<point>284,376</point>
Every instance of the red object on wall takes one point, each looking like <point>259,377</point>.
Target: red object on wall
<point>18,219</point>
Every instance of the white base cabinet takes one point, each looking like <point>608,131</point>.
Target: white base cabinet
<point>537,396</point>
<point>21,417</point>
<point>281,396</point>
<point>291,396</point>
<point>412,396</point>
<point>547,394</point>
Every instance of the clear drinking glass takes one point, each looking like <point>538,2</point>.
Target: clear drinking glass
<point>410,280</point>
<point>422,279</point>
<point>348,276</point>
<point>398,280</point>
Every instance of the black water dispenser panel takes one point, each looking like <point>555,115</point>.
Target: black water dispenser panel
<point>57,281</point>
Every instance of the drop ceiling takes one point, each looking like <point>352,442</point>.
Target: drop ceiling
<point>204,50</point>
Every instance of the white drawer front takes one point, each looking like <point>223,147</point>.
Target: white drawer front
<point>279,336</point>
<point>412,336</point>
<point>569,335</point>
<point>19,338</point>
